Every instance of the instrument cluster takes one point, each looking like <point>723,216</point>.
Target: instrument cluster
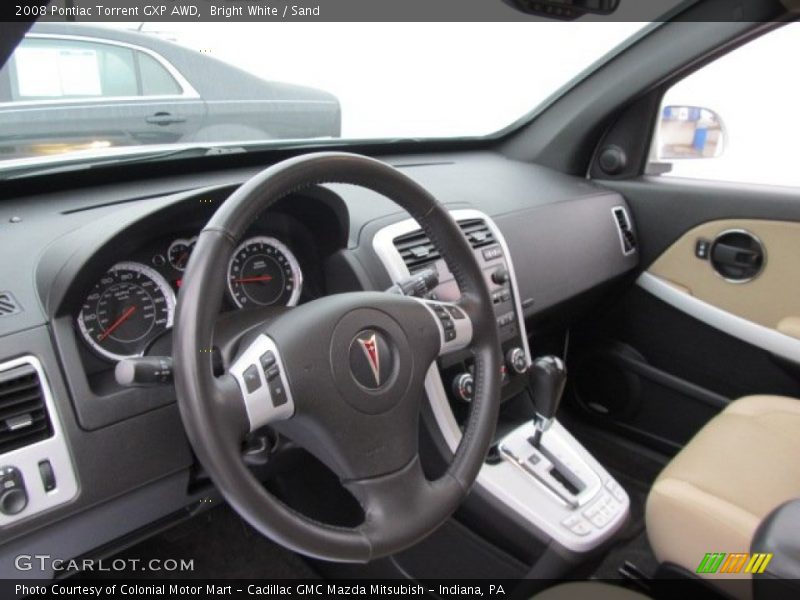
<point>133,303</point>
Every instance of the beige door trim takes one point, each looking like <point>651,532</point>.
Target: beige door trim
<point>767,300</point>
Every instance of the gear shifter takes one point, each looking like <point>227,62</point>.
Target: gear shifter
<point>548,375</point>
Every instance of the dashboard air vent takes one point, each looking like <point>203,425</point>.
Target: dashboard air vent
<point>477,232</point>
<point>626,236</point>
<point>23,413</point>
<point>8,304</point>
<point>417,250</point>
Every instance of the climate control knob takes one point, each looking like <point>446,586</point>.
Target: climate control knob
<point>516,361</point>
<point>464,387</point>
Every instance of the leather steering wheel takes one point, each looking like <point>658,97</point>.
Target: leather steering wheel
<point>342,376</point>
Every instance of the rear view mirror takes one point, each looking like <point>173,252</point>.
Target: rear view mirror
<point>689,132</point>
<point>565,9</point>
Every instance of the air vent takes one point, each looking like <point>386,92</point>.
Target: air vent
<point>477,232</point>
<point>23,414</point>
<point>8,304</point>
<point>626,236</point>
<point>417,250</point>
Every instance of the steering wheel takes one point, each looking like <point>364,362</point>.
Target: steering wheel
<point>342,376</point>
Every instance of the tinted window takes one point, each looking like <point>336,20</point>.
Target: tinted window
<point>156,80</point>
<point>53,68</point>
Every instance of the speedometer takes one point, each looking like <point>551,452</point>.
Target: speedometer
<point>263,272</point>
<point>130,306</point>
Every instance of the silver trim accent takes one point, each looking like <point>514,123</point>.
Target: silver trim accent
<point>516,448</point>
<point>187,91</point>
<point>383,245</point>
<point>751,235</point>
<point>297,273</point>
<point>760,336</point>
<point>259,407</point>
<point>463,327</point>
<point>27,458</point>
<point>550,505</point>
<point>514,488</point>
<point>163,285</point>
<point>628,222</point>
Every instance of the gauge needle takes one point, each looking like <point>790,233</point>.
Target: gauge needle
<point>253,279</point>
<point>122,318</point>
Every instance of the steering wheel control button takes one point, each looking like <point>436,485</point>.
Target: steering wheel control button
<point>267,360</point>
<point>265,392</point>
<point>47,475</point>
<point>13,496</point>
<point>456,313</point>
<point>455,327</point>
<point>277,392</point>
<point>252,379</point>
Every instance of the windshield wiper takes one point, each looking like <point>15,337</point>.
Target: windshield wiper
<point>79,164</point>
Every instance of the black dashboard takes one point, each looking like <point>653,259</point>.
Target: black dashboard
<point>96,272</point>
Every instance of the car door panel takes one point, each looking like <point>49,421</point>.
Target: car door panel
<point>675,348</point>
<point>771,299</point>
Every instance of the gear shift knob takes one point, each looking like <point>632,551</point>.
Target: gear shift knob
<point>548,376</point>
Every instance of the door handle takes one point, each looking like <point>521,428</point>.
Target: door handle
<point>737,255</point>
<point>164,118</point>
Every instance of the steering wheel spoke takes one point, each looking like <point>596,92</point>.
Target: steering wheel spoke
<point>262,382</point>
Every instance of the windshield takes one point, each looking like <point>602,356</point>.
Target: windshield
<point>97,89</point>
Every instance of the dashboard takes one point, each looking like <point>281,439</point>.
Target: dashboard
<point>99,270</point>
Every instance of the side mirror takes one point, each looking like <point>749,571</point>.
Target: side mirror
<point>689,132</point>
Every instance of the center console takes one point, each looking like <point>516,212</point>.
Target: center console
<point>537,469</point>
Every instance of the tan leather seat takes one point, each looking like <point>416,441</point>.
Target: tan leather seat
<point>716,491</point>
<point>588,590</point>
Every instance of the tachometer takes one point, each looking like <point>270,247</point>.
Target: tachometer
<point>126,309</point>
<point>263,272</point>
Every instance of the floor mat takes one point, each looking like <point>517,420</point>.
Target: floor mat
<point>220,544</point>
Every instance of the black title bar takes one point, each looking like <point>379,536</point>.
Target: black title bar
<point>395,10</point>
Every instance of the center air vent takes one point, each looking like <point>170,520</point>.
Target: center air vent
<point>477,232</point>
<point>417,250</point>
<point>23,414</point>
<point>626,235</point>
